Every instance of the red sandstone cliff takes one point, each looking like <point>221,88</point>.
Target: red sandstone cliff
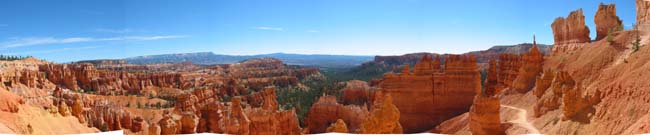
<point>606,20</point>
<point>642,12</point>
<point>531,68</point>
<point>327,110</point>
<point>484,114</point>
<point>356,92</point>
<point>569,31</point>
<point>433,93</point>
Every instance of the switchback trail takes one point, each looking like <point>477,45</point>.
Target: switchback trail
<point>522,119</point>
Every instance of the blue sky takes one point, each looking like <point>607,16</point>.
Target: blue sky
<point>71,30</point>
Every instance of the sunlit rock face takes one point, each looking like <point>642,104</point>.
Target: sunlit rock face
<point>484,114</point>
<point>327,111</point>
<point>552,98</point>
<point>531,68</point>
<point>383,118</point>
<point>569,32</point>
<point>642,12</point>
<point>507,70</point>
<point>356,92</point>
<point>543,82</point>
<point>434,91</point>
<point>85,77</point>
<point>568,95</point>
<point>338,127</point>
<point>606,20</point>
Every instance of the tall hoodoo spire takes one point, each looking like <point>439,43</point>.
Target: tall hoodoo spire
<point>534,49</point>
<point>534,42</point>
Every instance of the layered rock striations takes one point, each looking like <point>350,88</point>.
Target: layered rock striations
<point>569,32</point>
<point>484,114</point>
<point>564,92</point>
<point>201,112</point>
<point>508,69</point>
<point>552,98</point>
<point>384,117</point>
<point>100,114</point>
<point>356,92</point>
<point>85,77</point>
<point>606,21</point>
<point>642,12</point>
<point>543,82</point>
<point>530,69</point>
<point>434,91</point>
<point>575,102</point>
<point>327,111</point>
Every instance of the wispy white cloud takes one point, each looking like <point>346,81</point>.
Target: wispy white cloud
<point>114,30</point>
<point>269,28</point>
<point>52,50</point>
<point>20,42</point>
<point>313,31</point>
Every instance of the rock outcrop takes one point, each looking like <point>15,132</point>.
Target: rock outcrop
<point>77,110</point>
<point>642,12</point>
<point>9,102</point>
<point>530,69</point>
<point>508,69</point>
<point>543,82</point>
<point>235,120</point>
<point>484,115</point>
<point>167,124</point>
<point>552,99</point>
<point>606,21</point>
<point>356,92</point>
<point>85,77</point>
<point>210,117</point>
<point>267,119</point>
<point>338,127</point>
<point>138,124</point>
<point>327,110</point>
<point>434,91</point>
<point>570,31</point>
<point>188,123</point>
<point>566,93</point>
<point>384,117</point>
<point>575,102</point>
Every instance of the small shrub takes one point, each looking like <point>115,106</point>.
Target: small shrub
<point>636,44</point>
<point>610,38</point>
<point>103,128</point>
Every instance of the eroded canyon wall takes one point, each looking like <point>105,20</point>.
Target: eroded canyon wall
<point>433,93</point>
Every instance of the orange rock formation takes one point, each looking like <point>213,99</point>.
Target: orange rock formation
<point>543,82</point>
<point>384,117</point>
<point>606,20</point>
<point>642,12</point>
<point>432,94</point>
<point>326,111</point>
<point>338,127</point>
<point>552,98</point>
<point>530,69</point>
<point>484,114</point>
<point>508,69</point>
<point>356,92</point>
<point>569,31</point>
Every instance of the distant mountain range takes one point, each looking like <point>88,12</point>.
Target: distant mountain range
<point>382,64</point>
<point>319,60</point>
<point>209,58</point>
